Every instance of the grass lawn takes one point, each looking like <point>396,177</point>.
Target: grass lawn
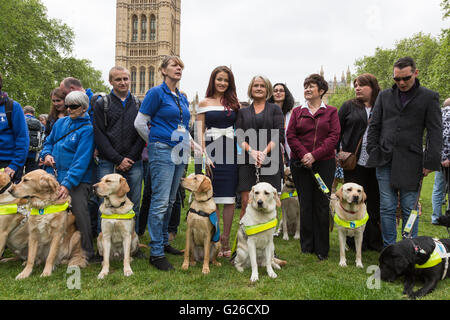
<point>304,277</point>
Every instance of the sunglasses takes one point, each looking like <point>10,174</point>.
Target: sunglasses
<point>398,79</point>
<point>278,90</point>
<point>73,106</point>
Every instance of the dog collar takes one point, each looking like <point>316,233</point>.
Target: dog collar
<point>3,190</point>
<point>127,216</point>
<point>287,195</point>
<point>8,209</point>
<point>348,211</point>
<point>50,209</point>
<point>351,224</point>
<point>258,228</point>
<point>200,212</point>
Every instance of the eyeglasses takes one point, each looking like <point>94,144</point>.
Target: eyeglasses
<point>278,90</point>
<point>398,79</point>
<point>73,106</point>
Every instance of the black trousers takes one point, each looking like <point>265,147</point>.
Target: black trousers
<point>314,205</point>
<point>366,177</point>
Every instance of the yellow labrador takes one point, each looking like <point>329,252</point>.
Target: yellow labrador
<point>255,234</point>
<point>350,215</point>
<point>118,238</point>
<point>52,235</point>
<point>200,229</point>
<point>13,221</point>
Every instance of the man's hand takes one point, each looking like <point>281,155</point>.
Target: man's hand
<point>49,161</point>
<point>125,165</point>
<point>426,172</point>
<point>308,160</point>
<point>446,163</point>
<point>63,192</point>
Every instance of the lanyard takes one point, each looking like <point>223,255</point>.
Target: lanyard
<point>177,101</point>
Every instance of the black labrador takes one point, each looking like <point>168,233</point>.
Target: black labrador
<point>409,258</point>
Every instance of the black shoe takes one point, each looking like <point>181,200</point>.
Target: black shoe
<point>161,263</point>
<point>321,257</point>
<point>139,254</point>
<point>95,259</point>
<point>171,250</point>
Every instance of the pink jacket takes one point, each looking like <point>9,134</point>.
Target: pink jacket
<point>318,134</point>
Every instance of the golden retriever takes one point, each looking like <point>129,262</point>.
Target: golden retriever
<point>200,229</point>
<point>350,215</point>
<point>51,236</point>
<point>13,221</point>
<point>118,238</point>
<point>255,247</point>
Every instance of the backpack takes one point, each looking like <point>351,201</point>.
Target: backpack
<point>9,104</point>
<point>36,134</point>
<point>106,101</point>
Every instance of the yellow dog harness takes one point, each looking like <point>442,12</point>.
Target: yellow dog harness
<point>439,253</point>
<point>127,216</point>
<point>287,195</point>
<point>351,224</point>
<point>50,209</point>
<point>8,209</point>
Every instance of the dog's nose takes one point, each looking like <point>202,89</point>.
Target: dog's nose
<point>260,203</point>
<point>355,199</point>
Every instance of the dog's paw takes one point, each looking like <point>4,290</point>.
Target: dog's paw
<point>127,272</point>
<point>239,268</point>
<point>297,236</point>
<point>276,265</point>
<point>216,263</point>
<point>342,263</point>
<point>46,273</point>
<point>23,275</point>
<point>185,266</point>
<point>285,237</point>
<point>272,274</point>
<point>359,264</point>
<point>102,274</point>
<point>254,277</point>
<point>205,270</point>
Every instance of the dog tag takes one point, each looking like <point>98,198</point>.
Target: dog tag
<point>322,184</point>
<point>410,222</point>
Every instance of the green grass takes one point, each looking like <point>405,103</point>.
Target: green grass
<point>303,278</point>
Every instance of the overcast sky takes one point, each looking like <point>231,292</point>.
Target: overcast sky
<point>285,40</point>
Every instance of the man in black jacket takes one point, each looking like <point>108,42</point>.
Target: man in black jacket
<point>118,143</point>
<point>395,144</point>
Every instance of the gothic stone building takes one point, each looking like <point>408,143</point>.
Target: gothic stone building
<point>146,31</point>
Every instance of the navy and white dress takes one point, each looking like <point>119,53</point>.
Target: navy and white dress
<point>220,145</point>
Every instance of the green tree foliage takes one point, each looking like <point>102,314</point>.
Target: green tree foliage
<point>341,95</point>
<point>35,54</point>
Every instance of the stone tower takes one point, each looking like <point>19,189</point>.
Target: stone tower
<point>146,31</point>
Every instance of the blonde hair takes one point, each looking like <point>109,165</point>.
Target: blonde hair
<point>267,84</point>
<point>117,68</point>
<point>165,63</point>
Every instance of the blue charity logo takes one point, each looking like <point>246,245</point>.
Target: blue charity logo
<point>352,225</point>
<point>41,211</point>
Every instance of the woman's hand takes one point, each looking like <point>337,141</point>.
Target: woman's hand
<point>49,161</point>
<point>63,192</point>
<point>308,160</point>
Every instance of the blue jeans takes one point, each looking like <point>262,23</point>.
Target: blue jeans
<point>388,206</point>
<point>134,178</point>
<point>166,176</point>
<point>438,195</point>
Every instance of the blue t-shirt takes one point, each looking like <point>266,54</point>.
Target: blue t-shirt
<point>161,105</point>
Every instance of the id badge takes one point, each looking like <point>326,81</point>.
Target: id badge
<point>181,128</point>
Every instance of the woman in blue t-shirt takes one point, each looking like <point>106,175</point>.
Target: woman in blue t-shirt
<point>168,143</point>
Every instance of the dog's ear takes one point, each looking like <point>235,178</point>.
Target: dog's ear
<point>277,198</point>
<point>364,197</point>
<point>123,188</point>
<point>205,185</point>
<point>48,183</point>
<point>338,193</point>
<point>251,195</point>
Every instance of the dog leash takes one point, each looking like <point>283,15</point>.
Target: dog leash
<point>322,186</point>
<point>414,214</point>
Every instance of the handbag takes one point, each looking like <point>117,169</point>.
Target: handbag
<point>348,160</point>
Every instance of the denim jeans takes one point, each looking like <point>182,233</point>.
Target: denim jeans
<point>438,195</point>
<point>165,176</point>
<point>388,206</point>
<point>134,178</point>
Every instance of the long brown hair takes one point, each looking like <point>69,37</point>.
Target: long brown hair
<point>229,99</point>
<point>60,94</point>
<point>370,80</point>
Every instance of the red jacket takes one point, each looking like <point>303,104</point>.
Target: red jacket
<point>318,134</point>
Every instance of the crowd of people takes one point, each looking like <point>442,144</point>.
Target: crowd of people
<point>90,135</point>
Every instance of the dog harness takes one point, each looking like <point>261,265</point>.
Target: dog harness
<point>354,224</point>
<point>287,195</point>
<point>8,209</point>
<point>50,209</point>
<point>258,228</point>
<point>212,218</point>
<point>436,257</point>
<point>127,216</point>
